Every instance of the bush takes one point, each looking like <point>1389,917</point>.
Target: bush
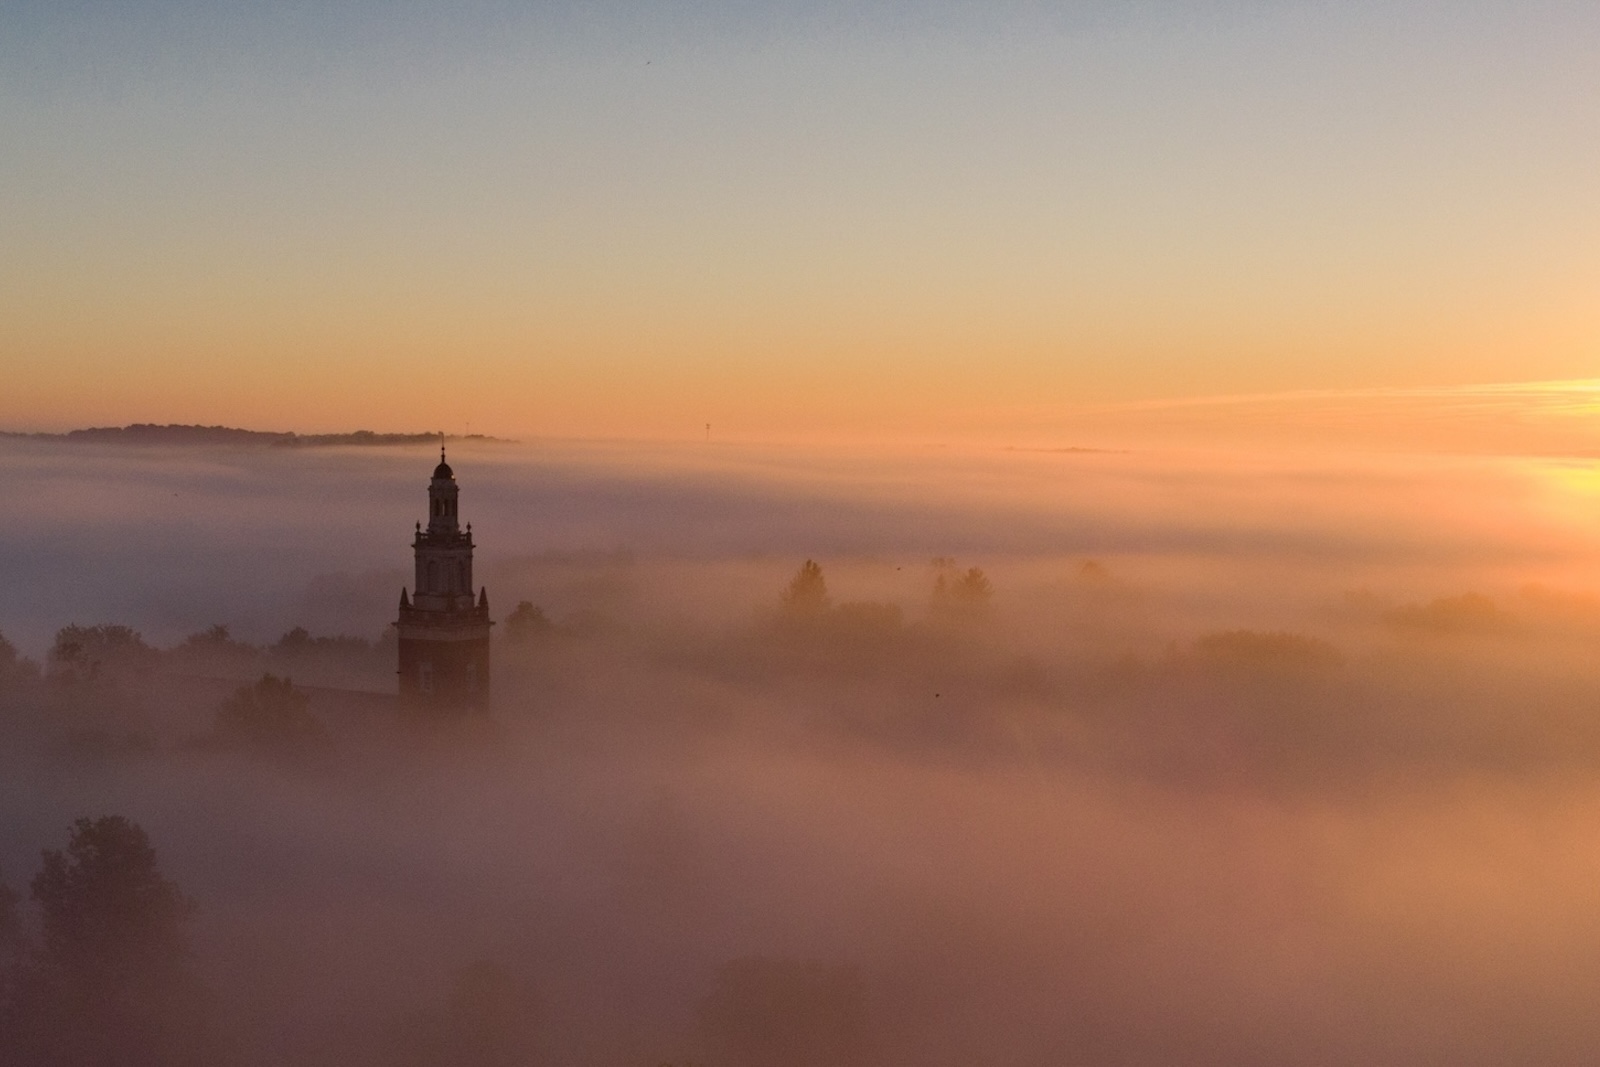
<point>269,715</point>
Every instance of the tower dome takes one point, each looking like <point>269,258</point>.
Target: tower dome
<point>443,469</point>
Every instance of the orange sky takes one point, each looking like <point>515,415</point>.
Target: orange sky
<point>876,225</point>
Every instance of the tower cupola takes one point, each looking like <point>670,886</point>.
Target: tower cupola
<point>443,494</point>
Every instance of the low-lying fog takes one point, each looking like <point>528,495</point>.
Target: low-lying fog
<point>1217,758</point>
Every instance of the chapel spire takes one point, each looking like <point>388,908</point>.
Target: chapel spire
<point>443,494</point>
<point>444,628</point>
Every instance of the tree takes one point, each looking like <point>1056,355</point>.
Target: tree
<point>299,642</point>
<point>973,588</point>
<point>14,669</point>
<point>108,914</point>
<point>215,649</point>
<point>526,623</point>
<point>963,595</point>
<point>109,983</point>
<point>91,653</point>
<point>807,594</point>
<point>216,636</point>
<point>269,715</point>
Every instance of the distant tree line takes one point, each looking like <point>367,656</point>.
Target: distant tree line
<point>144,433</point>
<point>956,595</point>
<point>85,655</point>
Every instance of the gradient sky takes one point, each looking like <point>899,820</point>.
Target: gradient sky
<point>800,219</point>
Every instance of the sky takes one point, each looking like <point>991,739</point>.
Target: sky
<point>1253,754</point>
<point>810,220</point>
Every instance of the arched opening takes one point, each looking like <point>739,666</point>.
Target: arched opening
<point>433,576</point>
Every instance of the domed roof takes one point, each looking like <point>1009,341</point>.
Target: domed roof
<point>443,469</point>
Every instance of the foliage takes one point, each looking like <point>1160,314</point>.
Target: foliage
<point>14,669</point>
<point>91,653</point>
<point>216,636</point>
<point>341,660</point>
<point>215,648</point>
<point>108,914</point>
<point>527,623</point>
<point>299,642</point>
<point>109,982</point>
<point>959,594</point>
<point>807,594</point>
<point>270,715</point>
<point>1467,613</point>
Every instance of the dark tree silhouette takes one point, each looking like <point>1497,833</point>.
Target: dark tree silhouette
<point>90,653</point>
<point>216,636</point>
<point>14,669</point>
<point>269,715</point>
<point>1467,613</point>
<point>973,587</point>
<point>526,623</point>
<point>807,594</point>
<point>299,642</point>
<point>109,983</point>
<point>332,659</point>
<point>959,595</point>
<point>785,1013</point>
<point>295,642</point>
<point>215,649</point>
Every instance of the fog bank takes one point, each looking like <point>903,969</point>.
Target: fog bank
<point>1220,758</point>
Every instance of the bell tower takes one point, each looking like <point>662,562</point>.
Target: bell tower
<point>443,629</point>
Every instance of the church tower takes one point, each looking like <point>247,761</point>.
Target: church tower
<point>444,630</point>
